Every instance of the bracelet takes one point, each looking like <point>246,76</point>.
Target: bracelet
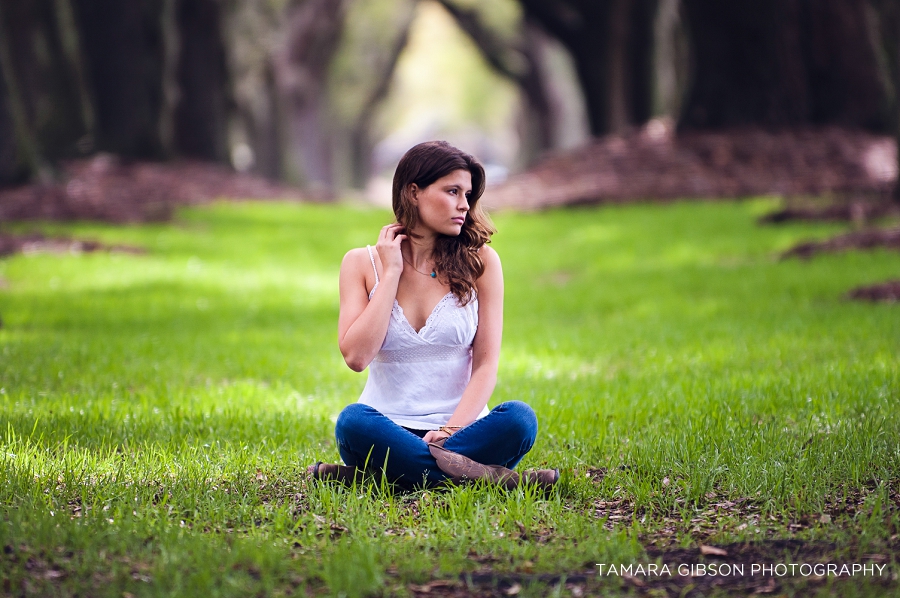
<point>448,428</point>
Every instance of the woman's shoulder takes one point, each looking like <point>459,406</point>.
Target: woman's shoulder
<point>357,267</point>
<point>487,250</point>
<point>359,258</point>
<point>489,257</point>
<point>492,277</point>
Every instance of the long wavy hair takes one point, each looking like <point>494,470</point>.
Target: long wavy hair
<point>456,259</point>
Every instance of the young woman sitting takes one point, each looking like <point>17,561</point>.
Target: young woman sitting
<point>423,310</point>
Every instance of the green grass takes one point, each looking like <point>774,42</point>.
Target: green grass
<point>157,411</point>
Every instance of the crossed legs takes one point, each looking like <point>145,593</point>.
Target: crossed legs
<point>367,439</point>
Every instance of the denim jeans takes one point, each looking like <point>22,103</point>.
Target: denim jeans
<point>367,438</point>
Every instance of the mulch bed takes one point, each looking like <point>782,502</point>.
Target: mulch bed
<point>109,189</point>
<point>859,211</point>
<point>650,163</point>
<point>694,571</point>
<point>887,291</point>
<point>654,163</point>
<point>716,568</point>
<point>38,243</point>
<point>862,239</point>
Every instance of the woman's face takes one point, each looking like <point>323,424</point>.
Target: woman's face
<point>444,203</point>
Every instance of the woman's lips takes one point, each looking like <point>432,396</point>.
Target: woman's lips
<point>460,220</point>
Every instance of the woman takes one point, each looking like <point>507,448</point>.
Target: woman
<point>424,311</point>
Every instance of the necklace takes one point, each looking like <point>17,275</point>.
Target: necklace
<point>433,273</point>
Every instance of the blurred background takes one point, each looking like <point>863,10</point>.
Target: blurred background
<point>565,101</point>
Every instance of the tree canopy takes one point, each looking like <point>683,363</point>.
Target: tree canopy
<point>291,88</point>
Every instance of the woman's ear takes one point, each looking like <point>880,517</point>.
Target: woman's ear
<point>414,193</point>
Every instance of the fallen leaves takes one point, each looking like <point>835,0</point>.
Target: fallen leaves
<point>106,188</point>
<point>887,291</point>
<point>35,243</point>
<point>862,239</point>
<point>655,162</point>
<point>427,588</point>
<point>712,550</point>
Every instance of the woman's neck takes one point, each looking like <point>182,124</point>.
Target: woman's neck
<point>418,251</point>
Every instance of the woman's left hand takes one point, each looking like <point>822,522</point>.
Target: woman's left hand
<point>435,435</point>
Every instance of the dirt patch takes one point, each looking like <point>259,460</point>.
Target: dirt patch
<point>756,568</point>
<point>487,583</point>
<point>858,211</point>
<point>655,163</point>
<point>733,569</point>
<point>109,189</point>
<point>38,243</point>
<point>702,569</point>
<point>886,291</point>
<point>863,239</point>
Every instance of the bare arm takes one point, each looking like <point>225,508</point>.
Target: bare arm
<point>485,347</point>
<point>363,324</point>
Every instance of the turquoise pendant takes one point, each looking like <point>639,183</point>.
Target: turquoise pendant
<point>433,274</point>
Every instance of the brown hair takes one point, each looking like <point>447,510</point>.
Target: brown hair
<point>456,259</point>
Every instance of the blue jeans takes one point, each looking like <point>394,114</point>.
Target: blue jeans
<point>367,437</point>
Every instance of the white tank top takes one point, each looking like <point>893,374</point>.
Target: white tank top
<point>418,378</point>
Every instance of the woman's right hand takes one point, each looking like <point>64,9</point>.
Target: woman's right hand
<point>388,248</point>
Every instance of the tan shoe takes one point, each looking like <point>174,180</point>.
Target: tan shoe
<point>545,478</point>
<point>462,469</point>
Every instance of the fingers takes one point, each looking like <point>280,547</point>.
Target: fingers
<point>391,233</point>
<point>397,233</point>
<point>384,234</point>
<point>434,435</point>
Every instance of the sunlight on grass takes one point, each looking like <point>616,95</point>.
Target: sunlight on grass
<point>159,409</point>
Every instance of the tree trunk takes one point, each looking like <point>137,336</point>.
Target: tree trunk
<point>19,158</point>
<point>641,48</point>
<point>361,134</point>
<point>611,42</point>
<point>781,63</point>
<point>201,114</point>
<point>80,75</point>
<point>12,170</point>
<point>519,61</point>
<point>70,40</point>
<point>251,30</point>
<point>43,89</point>
<point>845,84</point>
<point>301,67</point>
<point>265,135</point>
<point>123,48</point>
<point>540,118</point>
<point>887,30</point>
<point>619,66</point>
<point>591,48</point>
<point>671,59</point>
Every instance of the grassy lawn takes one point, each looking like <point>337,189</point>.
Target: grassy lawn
<point>157,411</point>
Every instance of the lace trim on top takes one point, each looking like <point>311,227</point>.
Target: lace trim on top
<point>434,313</point>
<point>423,353</point>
